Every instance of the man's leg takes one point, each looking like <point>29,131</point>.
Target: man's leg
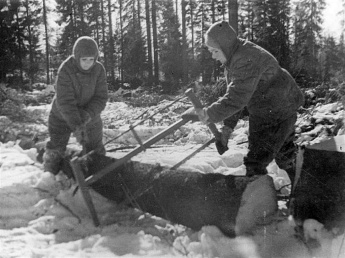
<point>286,158</point>
<point>286,155</point>
<point>265,142</point>
<point>59,133</point>
<point>258,157</point>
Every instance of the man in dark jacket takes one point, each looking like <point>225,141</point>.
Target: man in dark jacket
<point>272,97</point>
<point>81,96</point>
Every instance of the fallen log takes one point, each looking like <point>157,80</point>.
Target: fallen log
<point>187,197</point>
<point>320,191</point>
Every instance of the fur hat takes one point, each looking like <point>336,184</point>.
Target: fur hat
<point>221,36</point>
<point>85,47</point>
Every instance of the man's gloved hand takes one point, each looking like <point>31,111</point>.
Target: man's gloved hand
<point>225,135</point>
<point>196,114</point>
<point>80,134</point>
<point>202,114</point>
<point>85,116</point>
<point>190,114</point>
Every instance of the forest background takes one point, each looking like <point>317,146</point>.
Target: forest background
<point>159,44</point>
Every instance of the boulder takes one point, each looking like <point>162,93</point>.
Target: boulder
<point>319,193</point>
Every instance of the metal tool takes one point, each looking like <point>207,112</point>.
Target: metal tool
<point>85,183</point>
<point>217,135</point>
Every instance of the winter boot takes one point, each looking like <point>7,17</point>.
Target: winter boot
<point>52,161</point>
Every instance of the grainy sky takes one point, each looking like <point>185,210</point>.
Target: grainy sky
<point>332,18</point>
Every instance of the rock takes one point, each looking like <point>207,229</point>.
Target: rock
<point>319,193</point>
<point>258,205</point>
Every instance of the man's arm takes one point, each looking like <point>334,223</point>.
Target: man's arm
<point>65,99</point>
<point>99,100</point>
<point>245,78</point>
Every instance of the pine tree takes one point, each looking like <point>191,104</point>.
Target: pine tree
<point>14,44</point>
<point>202,21</point>
<point>329,59</point>
<point>271,28</point>
<point>149,42</point>
<point>155,43</point>
<point>33,10</point>
<point>307,40</point>
<point>134,52</point>
<point>76,15</point>
<point>171,48</point>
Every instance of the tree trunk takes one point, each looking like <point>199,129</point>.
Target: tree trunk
<point>111,43</point>
<point>233,14</point>
<point>176,13</point>
<point>74,21</point>
<point>96,8</point>
<point>31,55</point>
<point>215,62</point>
<point>121,43</point>
<point>80,8</point>
<point>139,12</point>
<point>103,38</point>
<point>47,42</point>
<point>186,197</point>
<point>184,43</point>
<point>192,25</point>
<point>19,47</point>
<point>155,43</point>
<point>149,42</point>
<point>213,13</point>
<point>203,40</point>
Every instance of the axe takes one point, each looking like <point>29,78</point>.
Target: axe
<point>217,135</point>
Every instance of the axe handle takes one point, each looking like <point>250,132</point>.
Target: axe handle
<point>197,104</point>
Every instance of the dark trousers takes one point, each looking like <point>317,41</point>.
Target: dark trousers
<point>60,133</point>
<point>268,141</point>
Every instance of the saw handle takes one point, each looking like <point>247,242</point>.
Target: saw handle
<point>197,104</point>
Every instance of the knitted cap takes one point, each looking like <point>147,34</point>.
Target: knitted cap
<point>85,47</point>
<point>221,36</point>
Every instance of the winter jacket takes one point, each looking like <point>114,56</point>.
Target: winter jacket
<point>78,90</point>
<point>258,83</point>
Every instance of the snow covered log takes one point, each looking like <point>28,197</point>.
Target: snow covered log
<point>187,197</point>
<point>320,190</point>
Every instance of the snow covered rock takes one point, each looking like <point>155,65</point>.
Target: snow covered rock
<point>258,205</point>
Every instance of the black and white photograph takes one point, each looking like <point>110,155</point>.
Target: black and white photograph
<point>172,128</point>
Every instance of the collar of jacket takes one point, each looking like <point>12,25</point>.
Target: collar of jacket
<point>233,49</point>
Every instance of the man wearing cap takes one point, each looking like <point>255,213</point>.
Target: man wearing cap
<point>81,96</point>
<point>255,80</point>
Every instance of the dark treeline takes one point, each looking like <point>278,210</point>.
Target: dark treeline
<point>159,44</point>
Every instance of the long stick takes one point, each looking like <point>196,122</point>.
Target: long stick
<point>136,151</point>
<point>193,154</point>
<point>84,190</point>
<point>143,120</point>
<point>197,104</point>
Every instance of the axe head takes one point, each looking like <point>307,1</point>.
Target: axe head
<point>220,147</point>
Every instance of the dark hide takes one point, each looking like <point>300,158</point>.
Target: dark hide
<point>320,192</point>
<point>189,198</point>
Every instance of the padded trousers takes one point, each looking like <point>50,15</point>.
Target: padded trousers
<point>60,133</point>
<point>268,141</point>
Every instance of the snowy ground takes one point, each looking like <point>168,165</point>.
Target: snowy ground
<point>40,216</point>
